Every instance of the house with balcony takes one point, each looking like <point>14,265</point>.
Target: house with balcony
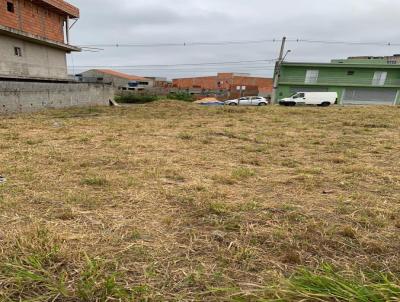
<point>358,82</point>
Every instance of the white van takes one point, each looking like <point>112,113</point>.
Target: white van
<point>324,99</point>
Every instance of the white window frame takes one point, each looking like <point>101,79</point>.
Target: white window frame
<point>380,78</point>
<point>312,76</point>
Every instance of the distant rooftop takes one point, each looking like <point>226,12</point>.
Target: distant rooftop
<point>378,60</point>
<point>121,75</point>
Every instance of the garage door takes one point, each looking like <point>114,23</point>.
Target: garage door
<point>366,96</point>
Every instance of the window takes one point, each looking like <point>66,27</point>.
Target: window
<point>379,78</point>
<point>10,7</point>
<point>18,51</point>
<point>133,84</point>
<point>312,76</point>
<point>350,72</point>
<point>299,95</point>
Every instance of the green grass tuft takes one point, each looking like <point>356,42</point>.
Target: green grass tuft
<point>94,181</point>
<point>327,284</point>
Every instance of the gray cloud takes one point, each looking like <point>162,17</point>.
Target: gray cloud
<point>164,21</point>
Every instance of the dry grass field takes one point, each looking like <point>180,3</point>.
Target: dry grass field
<point>176,202</point>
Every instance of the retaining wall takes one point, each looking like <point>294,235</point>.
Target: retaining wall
<point>18,97</point>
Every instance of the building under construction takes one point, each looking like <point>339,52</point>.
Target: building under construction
<point>226,84</point>
<point>34,43</point>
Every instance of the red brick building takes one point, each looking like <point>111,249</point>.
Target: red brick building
<point>224,81</point>
<point>34,38</point>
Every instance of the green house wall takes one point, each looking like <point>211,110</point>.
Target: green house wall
<point>335,78</point>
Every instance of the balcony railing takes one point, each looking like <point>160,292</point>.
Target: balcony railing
<point>300,80</point>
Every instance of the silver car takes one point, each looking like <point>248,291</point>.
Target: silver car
<point>248,101</point>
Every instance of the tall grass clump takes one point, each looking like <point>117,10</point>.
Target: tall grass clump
<point>39,269</point>
<point>181,96</point>
<point>327,284</point>
<point>133,98</point>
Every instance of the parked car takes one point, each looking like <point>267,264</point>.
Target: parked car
<point>248,101</point>
<point>324,99</point>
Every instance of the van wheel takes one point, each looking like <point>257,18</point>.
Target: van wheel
<point>325,104</point>
<point>262,104</point>
<point>233,104</point>
<point>291,104</point>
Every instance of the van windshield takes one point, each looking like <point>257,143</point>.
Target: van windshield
<point>298,95</point>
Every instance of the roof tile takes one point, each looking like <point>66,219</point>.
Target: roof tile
<point>121,75</point>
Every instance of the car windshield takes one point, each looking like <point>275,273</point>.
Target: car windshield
<point>298,95</point>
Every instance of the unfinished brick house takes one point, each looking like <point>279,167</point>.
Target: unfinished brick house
<point>224,81</point>
<point>34,38</point>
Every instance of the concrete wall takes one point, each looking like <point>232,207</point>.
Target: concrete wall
<point>116,81</point>
<point>18,97</point>
<point>36,60</point>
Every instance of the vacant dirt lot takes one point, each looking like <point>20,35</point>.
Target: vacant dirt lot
<point>176,202</point>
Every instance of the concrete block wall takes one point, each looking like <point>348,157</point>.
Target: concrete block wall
<point>18,97</point>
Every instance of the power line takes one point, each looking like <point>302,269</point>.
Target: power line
<point>179,65</point>
<point>243,42</point>
<point>197,69</point>
<point>177,44</point>
<point>352,43</point>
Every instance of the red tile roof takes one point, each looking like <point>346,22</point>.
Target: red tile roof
<point>121,75</point>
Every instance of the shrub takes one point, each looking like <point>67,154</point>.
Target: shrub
<point>181,96</point>
<point>133,98</point>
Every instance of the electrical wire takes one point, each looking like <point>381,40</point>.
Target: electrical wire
<point>190,70</point>
<point>350,43</point>
<point>179,65</point>
<point>178,44</point>
<point>243,42</point>
<point>228,66</point>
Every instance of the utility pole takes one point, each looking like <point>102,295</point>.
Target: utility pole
<point>278,71</point>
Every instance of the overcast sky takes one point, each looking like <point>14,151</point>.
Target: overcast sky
<point>180,21</point>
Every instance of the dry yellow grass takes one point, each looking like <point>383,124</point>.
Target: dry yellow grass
<point>176,202</point>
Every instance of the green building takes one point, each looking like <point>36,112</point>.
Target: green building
<point>355,81</point>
